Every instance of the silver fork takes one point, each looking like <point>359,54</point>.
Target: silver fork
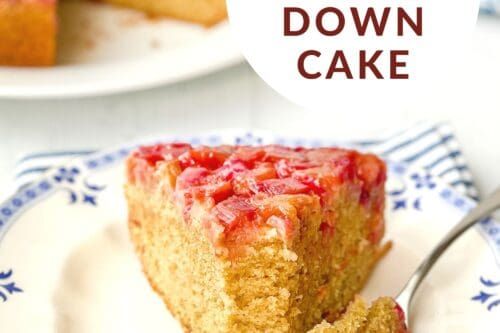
<point>482,210</point>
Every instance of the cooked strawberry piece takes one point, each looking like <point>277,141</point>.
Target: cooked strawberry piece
<point>399,311</point>
<point>285,168</point>
<point>263,171</point>
<point>206,157</point>
<point>218,191</point>
<point>186,160</point>
<point>313,183</point>
<point>347,168</point>
<point>401,317</point>
<point>160,152</point>
<point>328,154</point>
<point>244,182</point>
<point>280,186</point>
<point>152,154</point>
<point>370,170</point>
<point>153,158</point>
<point>191,176</point>
<point>275,153</point>
<point>235,210</point>
<point>242,185</point>
<point>283,226</point>
<point>249,155</point>
<point>231,168</point>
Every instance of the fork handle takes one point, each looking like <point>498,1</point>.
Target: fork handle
<point>485,208</point>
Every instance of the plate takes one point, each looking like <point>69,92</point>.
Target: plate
<point>105,49</point>
<point>66,263</point>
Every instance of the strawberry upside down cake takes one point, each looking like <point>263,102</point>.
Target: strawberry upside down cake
<point>255,239</point>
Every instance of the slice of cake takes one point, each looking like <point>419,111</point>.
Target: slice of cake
<point>28,27</point>
<point>206,12</point>
<point>27,32</point>
<point>255,239</point>
<point>384,316</point>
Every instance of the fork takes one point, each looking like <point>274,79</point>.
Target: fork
<point>482,210</point>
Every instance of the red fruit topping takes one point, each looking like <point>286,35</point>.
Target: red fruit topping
<point>346,168</point>
<point>285,168</point>
<point>371,170</point>
<point>161,152</point>
<point>249,155</point>
<point>275,153</point>
<point>191,176</point>
<point>283,226</point>
<point>311,182</point>
<point>244,182</point>
<point>400,312</point>
<point>242,185</point>
<point>263,171</point>
<point>221,192</point>
<point>401,317</point>
<point>280,186</point>
<point>327,229</point>
<point>231,168</point>
<point>237,183</point>
<point>235,210</point>
<point>209,158</point>
<point>218,191</point>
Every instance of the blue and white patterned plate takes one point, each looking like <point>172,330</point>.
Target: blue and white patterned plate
<point>66,263</point>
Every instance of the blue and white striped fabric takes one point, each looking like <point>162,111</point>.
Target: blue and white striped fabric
<point>430,146</point>
<point>433,147</point>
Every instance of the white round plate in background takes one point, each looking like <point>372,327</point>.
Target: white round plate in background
<point>104,49</point>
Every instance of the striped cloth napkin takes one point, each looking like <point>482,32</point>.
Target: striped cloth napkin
<point>433,147</point>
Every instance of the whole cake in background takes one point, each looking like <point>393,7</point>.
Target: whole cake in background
<point>28,32</point>
<point>28,28</point>
<point>257,239</point>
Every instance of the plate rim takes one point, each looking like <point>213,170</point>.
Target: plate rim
<point>224,53</point>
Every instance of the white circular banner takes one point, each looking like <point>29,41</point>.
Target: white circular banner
<point>358,53</point>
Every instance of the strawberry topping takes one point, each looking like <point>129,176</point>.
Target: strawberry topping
<point>233,181</point>
<point>235,210</point>
<point>280,186</point>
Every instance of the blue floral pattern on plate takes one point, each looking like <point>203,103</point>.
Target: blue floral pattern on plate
<point>7,286</point>
<point>489,295</point>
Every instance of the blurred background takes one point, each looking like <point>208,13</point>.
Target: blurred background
<point>232,95</point>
